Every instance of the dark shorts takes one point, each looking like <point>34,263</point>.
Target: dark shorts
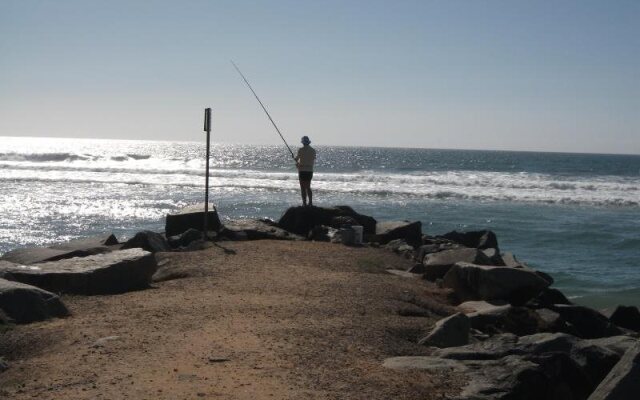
<point>305,175</point>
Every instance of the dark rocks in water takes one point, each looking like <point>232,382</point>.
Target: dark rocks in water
<point>25,303</point>
<point>115,272</point>
<point>438,264</point>
<point>626,317</point>
<point>449,332</point>
<point>255,229</point>
<point>192,217</point>
<point>74,248</point>
<point>410,232</point>
<point>547,298</point>
<point>481,282</point>
<point>623,381</point>
<point>589,323</point>
<point>477,239</point>
<point>302,219</point>
<point>147,240</point>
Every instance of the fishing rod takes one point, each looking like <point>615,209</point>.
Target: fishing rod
<point>264,108</point>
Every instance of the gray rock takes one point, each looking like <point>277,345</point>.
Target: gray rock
<point>507,319</point>
<point>449,332</point>
<point>185,238</point>
<point>588,323</point>
<point>417,268</point>
<point>115,272</point>
<point>105,240</point>
<point>147,240</point>
<point>532,377</point>
<point>626,317</point>
<point>255,229</point>
<point>24,303</point>
<point>494,257</point>
<point>617,344</point>
<point>438,264</point>
<point>477,239</point>
<point>548,298</point>
<point>623,382</point>
<point>74,248</point>
<point>480,282</point>
<point>403,274</point>
<point>192,217</point>
<point>410,232</point>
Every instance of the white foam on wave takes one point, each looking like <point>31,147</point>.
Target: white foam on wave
<point>461,185</point>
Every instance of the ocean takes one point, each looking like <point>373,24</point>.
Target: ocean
<point>575,216</point>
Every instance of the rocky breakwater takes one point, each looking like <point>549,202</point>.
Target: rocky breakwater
<point>514,336</point>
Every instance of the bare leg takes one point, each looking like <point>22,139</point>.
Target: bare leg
<point>309,193</point>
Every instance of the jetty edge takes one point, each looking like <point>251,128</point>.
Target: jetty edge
<point>503,326</point>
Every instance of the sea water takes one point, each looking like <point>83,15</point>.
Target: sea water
<point>575,216</point>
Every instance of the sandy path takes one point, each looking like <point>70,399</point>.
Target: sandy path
<point>275,320</point>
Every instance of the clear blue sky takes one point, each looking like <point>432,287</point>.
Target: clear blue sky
<point>535,75</point>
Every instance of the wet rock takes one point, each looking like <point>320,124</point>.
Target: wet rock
<point>410,232</point>
<point>588,323</point>
<point>623,382</point>
<point>438,264</point>
<point>449,332</point>
<point>480,282</point>
<point>147,240</point>
<point>255,229</point>
<point>192,217</point>
<point>302,219</point>
<point>24,303</point>
<point>115,272</point>
<point>477,239</point>
<point>626,317</point>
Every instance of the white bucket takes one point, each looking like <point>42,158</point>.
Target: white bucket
<point>357,234</point>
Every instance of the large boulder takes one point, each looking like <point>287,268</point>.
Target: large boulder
<point>147,240</point>
<point>547,298</point>
<point>449,332</point>
<point>527,377</point>
<point>301,220</point>
<point>482,282</point>
<point>438,264</point>
<point>410,232</point>
<point>588,323</point>
<point>256,229</point>
<point>192,217</point>
<point>623,382</point>
<point>477,239</point>
<point>24,303</point>
<point>74,248</point>
<point>115,272</point>
<point>626,317</point>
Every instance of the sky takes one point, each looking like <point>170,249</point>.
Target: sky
<point>505,75</point>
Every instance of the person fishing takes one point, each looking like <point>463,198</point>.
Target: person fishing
<point>306,154</point>
<point>304,161</point>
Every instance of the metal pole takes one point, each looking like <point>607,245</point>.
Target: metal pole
<point>207,128</point>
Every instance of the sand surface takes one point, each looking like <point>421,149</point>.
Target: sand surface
<point>249,320</point>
